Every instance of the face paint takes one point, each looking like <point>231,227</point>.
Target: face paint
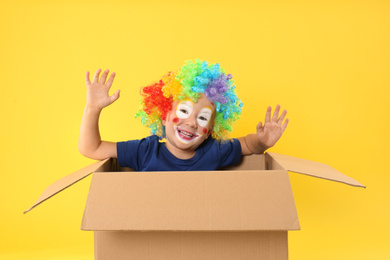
<point>184,136</point>
<point>184,109</point>
<point>204,116</point>
<point>188,124</point>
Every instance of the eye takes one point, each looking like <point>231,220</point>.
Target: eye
<point>184,109</point>
<point>204,116</point>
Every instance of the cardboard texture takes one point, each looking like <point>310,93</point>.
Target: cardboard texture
<point>240,212</point>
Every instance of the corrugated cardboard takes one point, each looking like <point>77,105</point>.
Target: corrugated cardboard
<point>241,212</point>
<point>191,245</point>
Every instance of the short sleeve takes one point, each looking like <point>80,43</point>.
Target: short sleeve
<point>230,153</point>
<point>134,153</point>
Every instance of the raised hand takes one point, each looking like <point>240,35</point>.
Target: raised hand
<point>273,128</point>
<point>98,91</point>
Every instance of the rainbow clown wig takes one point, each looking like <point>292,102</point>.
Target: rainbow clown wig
<point>193,78</point>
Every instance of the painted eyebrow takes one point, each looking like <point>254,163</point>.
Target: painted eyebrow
<point>204,113</point>
<point>185,104</point>
<point>205,110</point>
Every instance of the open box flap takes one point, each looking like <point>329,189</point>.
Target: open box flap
<point>314,169</point>
<point>69,180</point>
<point>190,201</point>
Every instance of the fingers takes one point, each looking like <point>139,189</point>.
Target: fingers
<point>268,115</point>
<point>110,79</point>
<point>281,118</point>
<point>259,126</point>
<point>284,126</point>
<point>87,80</point>
<point>96,76</point>
<point>114,97</point>
<point>102,79</point>
<point>276,114</point>
<point>275,117</point>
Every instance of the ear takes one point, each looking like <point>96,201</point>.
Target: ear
<point>210,132</point>
<point>212,123</point>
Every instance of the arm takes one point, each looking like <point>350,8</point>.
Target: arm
<point>267,135</point>
<point>90,143</point>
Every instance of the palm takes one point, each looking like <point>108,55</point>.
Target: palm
<point>98,91</point>
<point>272,130</point>
<point>98,94</point>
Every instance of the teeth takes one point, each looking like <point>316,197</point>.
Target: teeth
<point>186,134</point>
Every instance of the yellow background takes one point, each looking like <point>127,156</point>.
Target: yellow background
<point>326,62</point>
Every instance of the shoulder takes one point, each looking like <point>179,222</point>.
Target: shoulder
<point>228,146</point>
<point>153,139</point>
<point>134,153</point>
<point>226,152</point>
<point>141,145</point>
<point>213,142</point>
<point>150,140</point>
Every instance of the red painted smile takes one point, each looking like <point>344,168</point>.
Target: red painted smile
<point>185,136</point>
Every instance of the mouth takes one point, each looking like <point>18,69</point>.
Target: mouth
<point>185,136</point>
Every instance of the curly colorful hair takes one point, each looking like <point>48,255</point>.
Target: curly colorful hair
<point>192,79</point>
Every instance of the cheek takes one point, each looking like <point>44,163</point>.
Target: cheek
<point>175,120</point>
<point>205,131</point>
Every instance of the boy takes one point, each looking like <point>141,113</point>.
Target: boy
<point>193,108</point>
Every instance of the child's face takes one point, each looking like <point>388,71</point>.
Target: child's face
<point>189,124</point>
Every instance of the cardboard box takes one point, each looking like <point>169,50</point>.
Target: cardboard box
<point>241,212</point>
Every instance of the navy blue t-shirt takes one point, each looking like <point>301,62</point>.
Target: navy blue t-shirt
<point>148,154</point>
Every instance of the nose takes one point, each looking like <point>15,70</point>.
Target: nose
<point>191,121</point>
